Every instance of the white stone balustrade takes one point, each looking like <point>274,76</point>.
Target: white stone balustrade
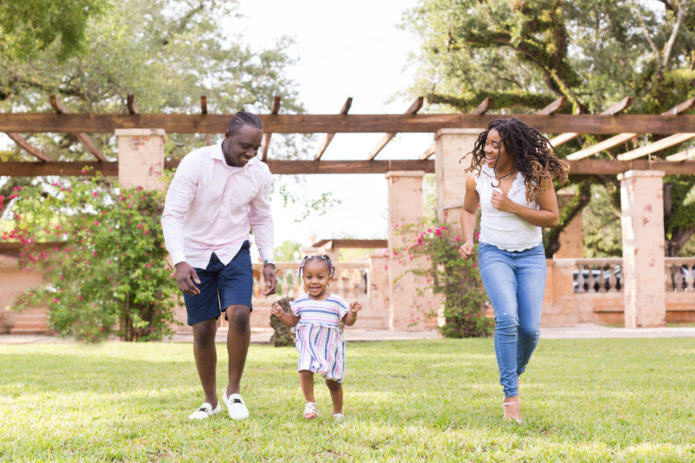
<point>605,275</point>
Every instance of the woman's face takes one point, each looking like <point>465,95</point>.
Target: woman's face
<point>494,149</point>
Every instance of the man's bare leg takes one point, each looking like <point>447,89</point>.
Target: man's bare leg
<point>206,357</point>
<point>238,338</point>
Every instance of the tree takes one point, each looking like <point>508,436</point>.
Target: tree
<point>525,54</point>
<point>28,27</point>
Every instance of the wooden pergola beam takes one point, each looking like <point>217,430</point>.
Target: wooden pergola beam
<point>329,136</point>
<point>484,106</point>
<point>351,123</point>
<point>83,138</point>
<point>554,107</point>
<point>617,108</point>
<point>352,243</point>
<point>203,104</point>
<point>28,147</point>
<point>429,151</point>
<point>281,167</point>
<point>687,154</point>
<point>414,108</point>
<point>132,104</point>
<point>656,146</point>
<point>627,136</point>
<point>266,142</point>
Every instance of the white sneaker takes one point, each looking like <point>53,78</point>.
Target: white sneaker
<point>235,406</point>
<point>204,412</point>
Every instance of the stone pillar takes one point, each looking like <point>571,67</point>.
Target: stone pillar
<point>451,145</point>
<point>407,308</point>
<point>141,158</point>
<point>642,219</point>
<point>571,238</point>
<point>378,292</point>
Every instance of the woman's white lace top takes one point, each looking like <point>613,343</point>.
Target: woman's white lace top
<point>503,229</point>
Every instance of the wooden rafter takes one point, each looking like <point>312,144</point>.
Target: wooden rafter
<point>581,167</point>
<point>204,110</point>
<point>484,106</point>
<point>329,136</point>
<point>554,107</point>
<point>351,123</point>
<point>656,146</point>
<point>687,154</point>
<point>627,136</point>
<point>132,104</point>
<point>429,151</point>
<point>85,139</point>
<point>28,147</point>
<point>414,108</point>
<point>352,243</point>
<point>617,108</point>
<point>266,142</point>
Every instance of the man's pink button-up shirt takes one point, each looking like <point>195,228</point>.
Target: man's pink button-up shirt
<point>211,207</point>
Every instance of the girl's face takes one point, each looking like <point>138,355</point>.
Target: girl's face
<point>495,154</point>
<point>316,276</point>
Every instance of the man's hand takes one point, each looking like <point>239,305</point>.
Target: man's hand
<point>185,276</point>
<point>269,278</point>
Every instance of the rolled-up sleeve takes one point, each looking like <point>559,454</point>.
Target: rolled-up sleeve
<point>261,219</point>
<point>179,197</point>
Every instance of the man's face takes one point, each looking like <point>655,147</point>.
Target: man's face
<point>239,147</point>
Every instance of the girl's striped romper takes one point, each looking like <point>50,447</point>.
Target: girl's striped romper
<point>319,341</point>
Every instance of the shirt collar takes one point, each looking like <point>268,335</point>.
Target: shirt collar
<point>219,155</point>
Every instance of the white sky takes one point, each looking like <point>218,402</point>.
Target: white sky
<point>344,49</point>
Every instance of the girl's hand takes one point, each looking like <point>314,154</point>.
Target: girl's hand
<point>276,310</point>
<point>355,307</point>
<point>500,201</point>
<point>466,250</point>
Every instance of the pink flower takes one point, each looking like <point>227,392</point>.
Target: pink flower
<point>95,194</point>
<point>444,228</point>
<point>147,277</point>
<point>96,222</point>
<point>84,171</point>
<point>458,238</point>
<point>144,232</point>
<point>439,232</point>
<point>139,226</point>
<point>55,301</point>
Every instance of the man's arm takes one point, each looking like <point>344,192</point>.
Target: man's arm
<point>179,197</point>
<point>261,219</point>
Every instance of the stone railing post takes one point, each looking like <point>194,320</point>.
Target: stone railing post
<point>642,219</point>
<point>452,158</point>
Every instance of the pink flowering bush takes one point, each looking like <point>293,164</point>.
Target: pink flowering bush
<point>107,272</point>
<point>456,278</point>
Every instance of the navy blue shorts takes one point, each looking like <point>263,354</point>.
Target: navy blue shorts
<point>221,286</point>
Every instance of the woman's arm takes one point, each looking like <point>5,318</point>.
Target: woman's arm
<point>288,319</point>
<point>471,201</point>
<point>547,215</point>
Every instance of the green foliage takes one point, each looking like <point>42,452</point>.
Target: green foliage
<point>288,251</point>
<point>28,27</point>
<point>107,273</point>
<point>602,232</point>
<point>454,277</point>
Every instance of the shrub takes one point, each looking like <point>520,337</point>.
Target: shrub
<point>456,278</point>
<point>107,273</point>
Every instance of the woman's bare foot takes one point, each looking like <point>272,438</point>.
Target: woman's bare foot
<point>512,408</point>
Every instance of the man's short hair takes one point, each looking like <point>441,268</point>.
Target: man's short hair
<point>244,118</point>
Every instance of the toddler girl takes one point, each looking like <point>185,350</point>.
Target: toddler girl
<point>319,340</point>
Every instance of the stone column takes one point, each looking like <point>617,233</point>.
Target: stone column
<point>451,145</point>
<point>141,157</point>
<point>407,308</point>
<point>571,238</point>
<point>642,219</point>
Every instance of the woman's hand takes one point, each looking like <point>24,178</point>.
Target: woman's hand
<point>500,201</point>
<point>466,249</point>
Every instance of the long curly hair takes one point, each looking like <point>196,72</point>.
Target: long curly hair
<point>533,154</point>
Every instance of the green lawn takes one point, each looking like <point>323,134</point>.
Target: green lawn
<point>583,400</point>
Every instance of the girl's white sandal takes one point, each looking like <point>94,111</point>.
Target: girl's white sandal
<point>310,411</point>
<point>338,417</point>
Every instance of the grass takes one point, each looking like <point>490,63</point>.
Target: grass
<point>438,400</point>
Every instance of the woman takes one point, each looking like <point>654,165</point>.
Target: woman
<point>512,170</point>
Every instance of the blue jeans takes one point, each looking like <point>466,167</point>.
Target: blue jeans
<point>515,285</point>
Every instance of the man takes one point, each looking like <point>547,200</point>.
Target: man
<point>218,193</point>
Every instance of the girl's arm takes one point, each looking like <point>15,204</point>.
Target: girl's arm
<point>288,319</point>
<point>471,201</point>
<point>547,215</point>
<point>350,317</point>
